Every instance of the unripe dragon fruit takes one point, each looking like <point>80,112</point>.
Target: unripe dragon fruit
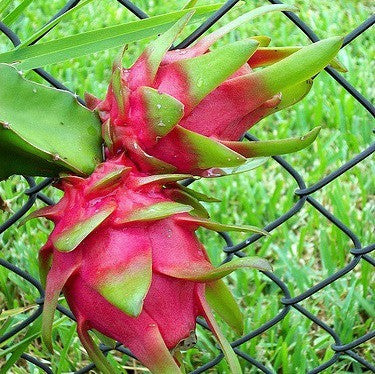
<point>184,110</point>
<point>125,254</point>
<point>124,250</point>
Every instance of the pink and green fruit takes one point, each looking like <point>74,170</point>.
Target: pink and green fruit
<point>125,254</point>
<point>184,110</point>
<point>124,250</point>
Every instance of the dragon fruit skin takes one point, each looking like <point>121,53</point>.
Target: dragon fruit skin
<point>187,108</point>
<point>131,267</point>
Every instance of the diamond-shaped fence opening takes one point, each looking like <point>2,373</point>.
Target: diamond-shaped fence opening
<point>303,194</point>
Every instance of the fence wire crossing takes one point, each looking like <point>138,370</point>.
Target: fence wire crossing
<point>303,193</point>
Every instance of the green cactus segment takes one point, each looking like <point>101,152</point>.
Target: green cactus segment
<point>161,179</point>
<point>273,147</point>
<point>232,359</point>
<point>205,273</point>
<point>223,303</point>
<point>44,131</point>
<point>296,68</point>
<point>155,212</point>
<point>95,354</point>
<point>204,73</point>
<point>18,156</point>
<point>182,197</point>
<point>155,51</point>
<point>267,56</point>
<point>111,179</point>
<point>71,238</point>
<point>163,111</point>
<point>208,152</point>
<point>216,226</point>
<point>245,18</point>
<point>127,288</point>
<point>198,195</point>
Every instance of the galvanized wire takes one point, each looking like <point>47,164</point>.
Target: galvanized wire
<point>303,194</point>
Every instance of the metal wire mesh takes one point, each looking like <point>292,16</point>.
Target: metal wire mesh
<point>303,194</point>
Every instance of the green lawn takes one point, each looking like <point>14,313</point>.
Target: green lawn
<point>303,251</point>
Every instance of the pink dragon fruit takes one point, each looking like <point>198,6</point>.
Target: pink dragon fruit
<point>125,254</point>
<point>124,250</point>
<point>207,99</point>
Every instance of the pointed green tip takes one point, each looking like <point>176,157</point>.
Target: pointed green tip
<point>299,66</point>
<point>274,147</point>
<point>47,320</point>
<point>206,72</point>
<point>117,63</point>
<point>48,344</point>
<point>312,135</point>
<point>157,49</point>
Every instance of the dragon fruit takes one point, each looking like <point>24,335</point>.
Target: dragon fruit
<point>125,254</point>
<point>124,250</point>
<point>184,110</point>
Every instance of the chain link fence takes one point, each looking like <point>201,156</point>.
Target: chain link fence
<point>303,194</point>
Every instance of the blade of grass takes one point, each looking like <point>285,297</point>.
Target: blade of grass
<point>48,26</point>
<point>69,338</point>
<point>16,12</point>
<point>12,312</point>
<point>19,348</point>
<point>32,333</point>
<point>4,5</point>
<point>98,40</point>
<point>190,4</point>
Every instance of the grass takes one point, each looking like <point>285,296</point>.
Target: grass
<point>303,251</point>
